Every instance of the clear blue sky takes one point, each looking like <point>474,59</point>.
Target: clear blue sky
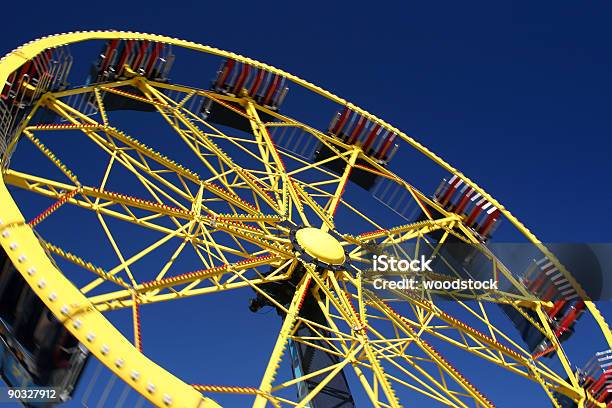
<point>515,94</point>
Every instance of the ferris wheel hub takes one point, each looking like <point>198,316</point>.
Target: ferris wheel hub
<point>321,245</point>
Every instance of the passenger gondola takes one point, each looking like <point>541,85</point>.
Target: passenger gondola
<point>236,79</point>
<point>353,128</point>
<point>36,350</point>
<point>122,59</point>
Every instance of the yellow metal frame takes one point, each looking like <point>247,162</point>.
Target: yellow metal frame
<point>362,346</point>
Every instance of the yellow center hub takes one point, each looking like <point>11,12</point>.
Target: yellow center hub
<point>321,245</point>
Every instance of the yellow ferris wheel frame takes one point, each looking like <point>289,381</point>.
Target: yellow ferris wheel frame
<point>92,329</point>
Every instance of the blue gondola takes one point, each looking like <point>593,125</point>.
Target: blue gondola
<point>35,348</point>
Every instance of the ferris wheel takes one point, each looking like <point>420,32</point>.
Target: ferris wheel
<point>139,187</point>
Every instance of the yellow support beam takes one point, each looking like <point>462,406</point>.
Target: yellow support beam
<point>281,341</point>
